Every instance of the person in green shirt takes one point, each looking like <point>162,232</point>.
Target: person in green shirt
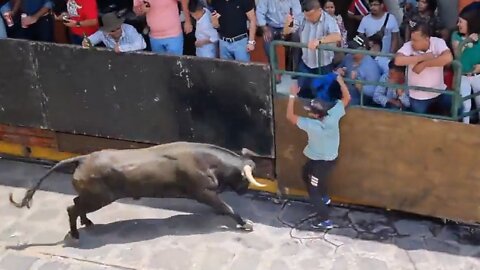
<point>469,56</point>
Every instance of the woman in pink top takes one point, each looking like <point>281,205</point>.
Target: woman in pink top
<point>163,18</point>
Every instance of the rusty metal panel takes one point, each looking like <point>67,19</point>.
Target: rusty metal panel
<point>393,161</point>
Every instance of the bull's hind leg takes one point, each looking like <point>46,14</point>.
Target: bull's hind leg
<point>72,218</point>
<point>211,198</point>
<point>83,214</point>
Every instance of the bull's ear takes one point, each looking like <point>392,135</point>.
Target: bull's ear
<point>248,152</point>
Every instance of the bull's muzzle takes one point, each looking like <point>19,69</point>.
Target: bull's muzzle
<point>247,170</point>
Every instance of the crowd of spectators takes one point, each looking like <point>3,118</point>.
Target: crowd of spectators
<point>423,47</point>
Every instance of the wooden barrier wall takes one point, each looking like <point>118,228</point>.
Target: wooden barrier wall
<point>393,161</point>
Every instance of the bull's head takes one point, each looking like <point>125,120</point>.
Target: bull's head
<point>241,187</point>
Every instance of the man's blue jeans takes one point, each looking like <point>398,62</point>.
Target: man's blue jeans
<point>171,46</point>
<point>442,102</point>
<point>235,50</point>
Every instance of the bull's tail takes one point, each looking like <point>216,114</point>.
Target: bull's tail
<point>30,192</point>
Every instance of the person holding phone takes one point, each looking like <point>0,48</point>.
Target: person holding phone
<point>271,14</point>
<point>81,17</point>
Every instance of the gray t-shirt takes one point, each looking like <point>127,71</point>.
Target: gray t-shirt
<point>310,31</point>
<point>370,25</point>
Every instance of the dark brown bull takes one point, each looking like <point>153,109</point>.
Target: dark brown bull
<point>181,169</point>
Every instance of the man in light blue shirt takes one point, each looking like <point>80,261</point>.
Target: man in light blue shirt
<point>322,128</point>
<point>271,16</point>
<point>389,97</point>
<point>360,67</point>
<point>318,27</point>
<point>117,35</point>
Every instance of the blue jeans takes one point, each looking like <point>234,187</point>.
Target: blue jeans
<point>235,51</point>
<point>427,106</point>
<point>276,35</point>
<point>305,83</point>
<point>171,46</point>
<point>3,32</point>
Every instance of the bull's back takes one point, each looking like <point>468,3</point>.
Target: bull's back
<point>123,172</point>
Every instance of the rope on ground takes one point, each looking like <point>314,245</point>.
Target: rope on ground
<point>295,226</point>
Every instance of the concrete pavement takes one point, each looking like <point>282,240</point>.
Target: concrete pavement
<point>181,234</point>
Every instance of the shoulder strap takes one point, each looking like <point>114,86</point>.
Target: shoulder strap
<point>386,21</point>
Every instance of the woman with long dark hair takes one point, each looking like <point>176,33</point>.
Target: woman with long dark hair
<point>468,55</point>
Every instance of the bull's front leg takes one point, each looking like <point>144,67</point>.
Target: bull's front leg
<point>210,197</point>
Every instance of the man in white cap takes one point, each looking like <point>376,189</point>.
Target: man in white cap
<point>116,35</point>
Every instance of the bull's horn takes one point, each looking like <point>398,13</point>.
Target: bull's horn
<point>248,173</point>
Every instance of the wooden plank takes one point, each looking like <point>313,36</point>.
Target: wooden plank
<point>393,161</point>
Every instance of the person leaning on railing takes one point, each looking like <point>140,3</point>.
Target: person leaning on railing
<point>425,57</point>
<point>322,128</point>
<point>469,56</point>
<point>316,28</point>
<point>390,97</point>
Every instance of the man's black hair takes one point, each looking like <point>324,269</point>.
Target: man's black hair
<point>194,5</point>
<point>309,5</point>
<point>379,1</point>
<point>391,65</point>
<point>423,28</point>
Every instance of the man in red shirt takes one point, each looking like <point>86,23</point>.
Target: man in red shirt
<point>82,19</point>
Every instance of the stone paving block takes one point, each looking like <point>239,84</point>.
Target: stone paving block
<point>340,263</point>
<point>216,258</point>
<point>290,248</point>
<point>433,244</point>
<point>370,264</point>
<point>45,215</point>
<point>412,228</point>
<point>171,259</point>
<point>14,261</point>
<point>365,222</point>
<point>53,265</point>
<point>246,260</point>
<point>278,264</point>
<point>249,240</point>
<point>410,243</point>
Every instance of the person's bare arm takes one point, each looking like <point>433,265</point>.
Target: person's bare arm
<point>345,93</point>
<point>442,60</point>
<point>403,60</point>
<point>252,19</point>
<point>291,116</point>
<point>187,26</point>
<point>395,42</point>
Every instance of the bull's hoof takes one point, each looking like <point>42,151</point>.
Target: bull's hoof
<point>70,240</point>
<point>248,226</point>
<point>87,223</point>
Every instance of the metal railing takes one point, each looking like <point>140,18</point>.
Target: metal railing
<point>452,92</point>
